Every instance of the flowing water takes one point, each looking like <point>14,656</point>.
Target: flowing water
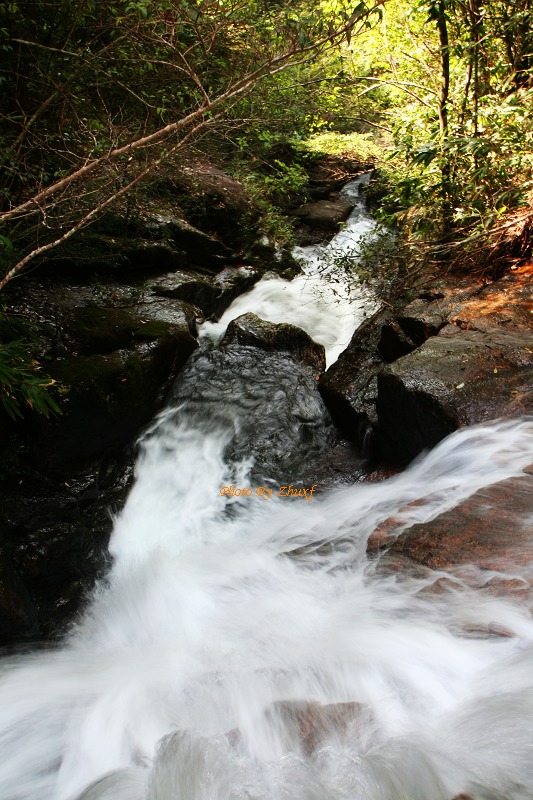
<point>328,309</point>
<point>246,647</point>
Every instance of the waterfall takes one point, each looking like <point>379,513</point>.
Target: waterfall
<point>329,311</point>
<point>248,646</point>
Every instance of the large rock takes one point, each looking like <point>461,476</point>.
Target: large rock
<point>54,532</point>
<point>18,616</point>
<point>212,293</point>
<point>249,329</point>
<point>210,199</point>
<point>114,352</point>
<point>325,215</point>
<point>457,378</point>
<point>195,246</point>
<point>266,401</point>
<point>107,399</point>
<point>152,244</point>
<point>193,216</point>
<point>456,355</point>
<point>491,533</point>
<point>349,387</point>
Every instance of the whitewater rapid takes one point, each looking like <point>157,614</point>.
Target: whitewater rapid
<point>228,622</point>
<point>217,609</point>
<point>318,301</point>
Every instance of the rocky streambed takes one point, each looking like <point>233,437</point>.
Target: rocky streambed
<point>116,328</point>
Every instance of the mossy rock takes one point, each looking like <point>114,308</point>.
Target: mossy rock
<point>107,399</point>
<point>212,293</point>
<point>100,330</point>
<point>153,329</point>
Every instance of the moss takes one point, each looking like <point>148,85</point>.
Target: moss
<point>153,329</point>
<point>101,330</point>
<point>95,375</point>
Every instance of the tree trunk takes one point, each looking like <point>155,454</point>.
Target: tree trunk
<point>446,177</point>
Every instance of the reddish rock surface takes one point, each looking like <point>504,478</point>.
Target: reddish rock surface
<point>492,530</point>
<point>312,723</point>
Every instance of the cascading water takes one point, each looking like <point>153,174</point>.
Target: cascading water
<point>328,310</point>
<point>248,647</point>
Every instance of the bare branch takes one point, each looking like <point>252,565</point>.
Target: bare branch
<point>82,223</point>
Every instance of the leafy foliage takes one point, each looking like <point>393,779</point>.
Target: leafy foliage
<point>22,385</point>
<point>112,90</point>
<point>478,168</point>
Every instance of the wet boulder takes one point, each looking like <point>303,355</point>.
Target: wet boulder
<point>18,617</point>
<point>458,354</point>
<point>349,387</point>
<point>156,245</point>
<point>54,532</point>
<point>212,293</point>
<point>324,215</point>
<point>194,245</point>
<point>268,404</point>
<point>459,377</point>
<point>485,541</point>
<point>107,398</point>
<point>91,329</point>
<point>141,243</point>
<point>251,330</point>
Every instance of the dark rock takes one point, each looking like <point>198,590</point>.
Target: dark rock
<point>210,199</point>
<point>349,387</point>
<point>457,355</point>
<point>107,399</point>
<point>18,617</point>
<point>56,531</point>
<point>326,215</point>
<point>213,294</point>
<point>418,321</point>
<point>97,330</point>
<point>267,402</point>
<point>249,329</point>
<point>153,310</point>
<point>153,243</point>
<point>232,282</point>
<point>342,464</point>
<point>394,342</point>
<point>453,379</point>
<point>144,258</point>
<point>192,287</point>
<point>421,319</point>
<point>197,247</point>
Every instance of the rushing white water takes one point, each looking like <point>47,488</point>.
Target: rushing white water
<point>219,608</point>
<point>248,648</point>
<point>328,310</point>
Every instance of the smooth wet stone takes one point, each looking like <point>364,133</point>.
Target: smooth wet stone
<point>212,293</point>
<point>249,329</point>
<point>492,530</point>
<point>324,214</point>
<point>456,378</point>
